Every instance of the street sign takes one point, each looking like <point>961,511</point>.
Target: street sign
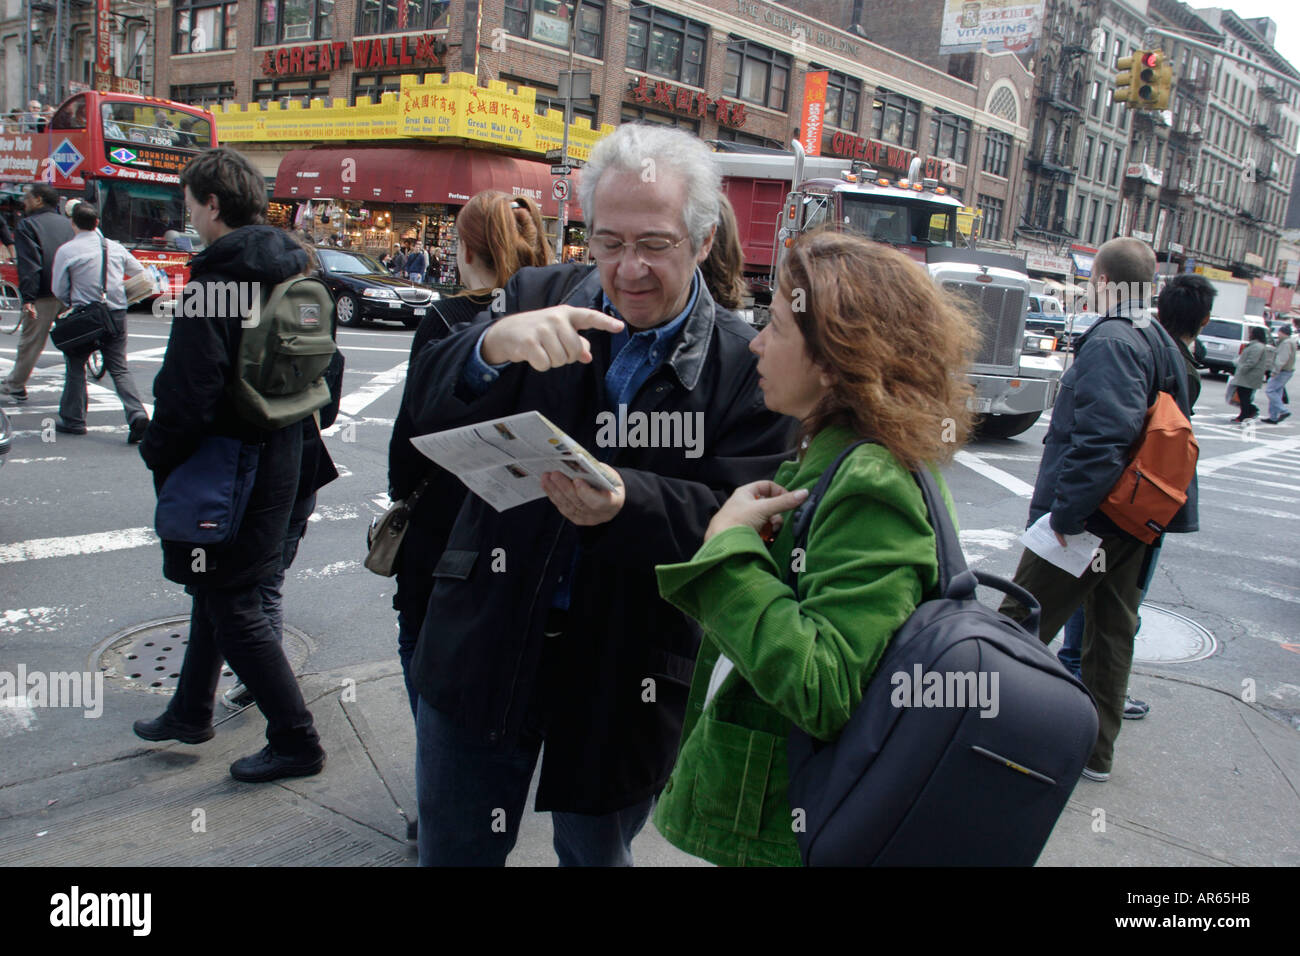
<point>561,170</point>
<point>554,155</point>
<point>560,189</point>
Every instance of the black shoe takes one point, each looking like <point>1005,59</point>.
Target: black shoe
<point>1270,421</point>
<point>413,831</point>
<point>135,434</point>
<point>1284,416</point>
<point>267,765</point>
<point>69,429</point>
<point>17,394</point>
<point>164,728</point>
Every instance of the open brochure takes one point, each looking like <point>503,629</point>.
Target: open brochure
<point>502,461</point>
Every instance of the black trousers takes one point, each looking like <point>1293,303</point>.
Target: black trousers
<point>231,624</point>
<point>1248,408</point>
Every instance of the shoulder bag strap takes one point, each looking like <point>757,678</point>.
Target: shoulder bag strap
<point>103,270</point>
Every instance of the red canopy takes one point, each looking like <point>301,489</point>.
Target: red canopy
<point>411,175</point>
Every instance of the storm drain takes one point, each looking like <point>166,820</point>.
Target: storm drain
<point>1169,638</point>
<point>148,657</point>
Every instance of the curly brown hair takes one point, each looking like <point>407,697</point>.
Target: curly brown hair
<point>896,346</point>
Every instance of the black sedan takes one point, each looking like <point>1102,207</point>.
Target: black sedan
<point>364,291</point>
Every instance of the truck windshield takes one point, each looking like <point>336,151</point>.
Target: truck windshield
<point>900,222</point>
<point>144,215</point>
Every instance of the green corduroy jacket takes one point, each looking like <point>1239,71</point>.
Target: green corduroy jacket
<point>870,557</point>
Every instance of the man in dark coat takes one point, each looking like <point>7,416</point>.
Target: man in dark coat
<point>226,199</point>
<point>545,622</point>
<point>37,239</point>
<point>1122,363</point>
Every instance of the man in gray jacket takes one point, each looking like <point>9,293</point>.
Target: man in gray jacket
<point>1122,363</point>
<point>38,236</point>
<point>1283,369</point>
<point>78,266</point>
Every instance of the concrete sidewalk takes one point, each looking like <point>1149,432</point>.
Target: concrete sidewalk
<point>1205,779</point>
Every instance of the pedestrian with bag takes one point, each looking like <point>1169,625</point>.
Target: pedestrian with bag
<point>87,269</point>
<point>202,439</point>
<point>1249,374</point>
<point>847,367</point>
<point>1126,367</point>
<point>545,622</point>
<point>1282,370</point>
<point>36,240</point>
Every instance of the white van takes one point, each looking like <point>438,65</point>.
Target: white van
<point>1224,339</point>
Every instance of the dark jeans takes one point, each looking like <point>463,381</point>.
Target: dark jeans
<point>1110,600</point>
<point>72,407</point>
<point>231,624</point>
<point>1248,409</point>
<point>472,798</point>
<point>272,598</point>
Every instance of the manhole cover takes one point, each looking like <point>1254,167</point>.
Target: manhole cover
<point>148,657</point>
<point>1169,638</point>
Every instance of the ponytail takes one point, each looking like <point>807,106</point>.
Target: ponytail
<point>505,232</point>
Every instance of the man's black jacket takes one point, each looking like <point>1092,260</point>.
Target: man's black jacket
<point>37,238</point>
<point>192,402</point>
<point>616,681</point>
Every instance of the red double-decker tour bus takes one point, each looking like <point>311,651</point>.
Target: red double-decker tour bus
<point>124,153</point>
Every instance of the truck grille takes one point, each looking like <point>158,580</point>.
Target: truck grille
<point>1002,320</point>
<point>416,296</point>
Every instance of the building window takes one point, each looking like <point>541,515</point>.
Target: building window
<point>1088,145</point>
<point>547,21</point>
<point>1078,216</point>
<point>991,207</point>
<point>314,88</point>
<point>635,114</point>
<point>1092,222</point>
<point>1095,97</point>
<point>374,85</point>
<point>666,45</point>
<point>949,136</point>
<point>727,134</point>
<point>203,25</point>
<point>289,21</point>
<point>894,118</point>
<point>1105,229</point>
<point>1101,162</point>
<point>843,94</point>
<point>203,94</point>
<point>756,74</point>
<point>997,153</point>
<point>1003,103</point>
<point>400,16</point>
<point>1114,171</point>
<point>548,98</point>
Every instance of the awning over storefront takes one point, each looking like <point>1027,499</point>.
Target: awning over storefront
<point>412,175</point>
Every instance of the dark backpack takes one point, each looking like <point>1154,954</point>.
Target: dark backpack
<point>284,354</point>
<point>910,783</point>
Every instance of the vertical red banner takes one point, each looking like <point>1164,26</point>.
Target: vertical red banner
<point>814,110</point>
<point>103,37</point>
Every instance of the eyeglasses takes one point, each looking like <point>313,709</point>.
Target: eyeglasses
<point>651,250</point>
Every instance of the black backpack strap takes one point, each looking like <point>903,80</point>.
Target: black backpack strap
<point>103,270</point>
<point>951,560</point>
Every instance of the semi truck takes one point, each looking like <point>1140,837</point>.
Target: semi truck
<point>776,200</point>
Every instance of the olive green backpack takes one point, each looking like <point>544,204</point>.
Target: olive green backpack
<point>283,352</point>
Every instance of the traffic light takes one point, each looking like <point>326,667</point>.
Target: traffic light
<point>1126,81</point>
<point>1155,80</point>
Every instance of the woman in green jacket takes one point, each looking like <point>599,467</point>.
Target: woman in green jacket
<point>1249,372</point>
<point>862,344</point>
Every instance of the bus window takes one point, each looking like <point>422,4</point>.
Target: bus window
<point>141,214</point>
<point>72,115</point>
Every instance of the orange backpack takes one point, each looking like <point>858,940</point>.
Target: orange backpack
<point>1154,485</point>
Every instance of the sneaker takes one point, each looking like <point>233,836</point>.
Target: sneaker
<point>1100,776</point>
<point>238,697</point>
<point>267,765</point>
<point>1135,709</point>
<point>17,394</point>
<point>1284,416</point>
<point>165,728</point>
<point>135,434</point>
<point>63,429</point>
<point>1270,421</point>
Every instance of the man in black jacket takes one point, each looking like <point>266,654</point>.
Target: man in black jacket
<point>545,622</point>
<point>226,198</point>
<point>38,237</point>
<point>1122,363</point>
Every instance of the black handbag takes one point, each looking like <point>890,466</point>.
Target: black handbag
<point>83,328</point>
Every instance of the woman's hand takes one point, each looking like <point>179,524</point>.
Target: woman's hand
<point>758,505</point>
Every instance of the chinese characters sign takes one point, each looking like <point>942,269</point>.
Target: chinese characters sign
<point>680,99</point>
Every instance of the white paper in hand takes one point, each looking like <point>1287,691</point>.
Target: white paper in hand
<point>1074,558</point>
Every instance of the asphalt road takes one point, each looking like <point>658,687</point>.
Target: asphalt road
<point>79,563</point>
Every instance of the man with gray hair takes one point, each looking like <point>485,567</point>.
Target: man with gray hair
<point>545,623</point>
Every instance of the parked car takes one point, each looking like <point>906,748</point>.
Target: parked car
<point>1223,340</point>
<point>1076,323</point>
<point>364,291</point>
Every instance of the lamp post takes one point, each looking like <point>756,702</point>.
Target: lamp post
<point>562,222</point>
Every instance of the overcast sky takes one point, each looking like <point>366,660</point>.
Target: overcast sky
<point>1282,12</point>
